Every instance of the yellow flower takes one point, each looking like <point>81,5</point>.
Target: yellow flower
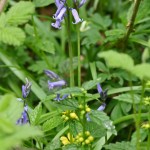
<point>67,140</point>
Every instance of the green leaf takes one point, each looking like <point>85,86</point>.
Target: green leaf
<point>20,13</point>
<point>5,101</point>
<point>41,3</point>
<point>71,90</point>
<point>53,145</point>
<point>52,123</point>
<point>12,35</point>
<point>69,104</point>
<point>114,34</point>
<point>21,133</point>
<point>116,112</point>
<point>117,60</point>
<point>90,84</point>
<point>120,146</point>
<point>96,130</point>
<point>142,71</point>
<point>127,97</point>
<point>101,118</point>
<point>35,114</point>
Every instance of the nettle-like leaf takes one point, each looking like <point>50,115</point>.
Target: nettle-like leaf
<point>20,13</point>
<point>35,114</point>
<point>41,3</point>
<point>117,60</point>
<point>102,119</point>
<point>52,123</point>
<point>12,35</point>
<point>120,146</point>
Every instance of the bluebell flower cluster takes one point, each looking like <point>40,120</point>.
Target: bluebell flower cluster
<point>26,89</point>
<point>61,12</point>
<point>25,92</point>
<point>57,83</point>
<point>103,95</point>
<point>24,117</point>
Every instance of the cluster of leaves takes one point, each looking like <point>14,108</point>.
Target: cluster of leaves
<point>28,45</point>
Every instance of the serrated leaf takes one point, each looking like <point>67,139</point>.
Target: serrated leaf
<point>68,104</point>
<point>20,13</point>
<point>142,71</point>
<point>90,84</point>
<point>101,118</point>
<point>120,146</point>
<point>53,145</point>
<point>117,60</point>
<point>95,129</point>
<point>52,123</point>
<point>2,20</point>
<point>12,35</point>
<point>128,98</point>
<point>71,90</point>
<point>41,3</point>
<point>35,115</point>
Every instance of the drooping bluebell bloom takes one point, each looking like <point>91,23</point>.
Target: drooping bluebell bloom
<point>61,12</point>
<point>24,117</point>
<point>102,107</point>
<point>102,93</point>
<point>76,16</point>
<point>81,3</point>
<point>52,85</point>
<point>26,89</point>
<point>58,98</point>
<point>51,74</point>
<point>60,6</point>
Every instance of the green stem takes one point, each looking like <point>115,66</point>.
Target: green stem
<point>132,19</point>
<point>129,117</point>
<point>70,52</point>
<point>79,52</point>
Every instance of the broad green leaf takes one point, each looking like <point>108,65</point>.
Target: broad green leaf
<point>116,112</point>
<point>90,84</point>
<point>127,97</point>
<point>101,118</point>
<point>117,60</point>
<point>120,146</point>
<point>71,147</point>
<point>6,126</point>
<point>68,104</point>
<point>72,90</point>
<point>35,114</point>
<point>96,130</point>
<point>5,102</point>
<point>145,55</point>
<point>2,20</point>
<point>21,133</point>
<point>41,3</point>
<point>20,13</point>
<point>52,123</point>
<point>142,71</point>
<point>12,36</point>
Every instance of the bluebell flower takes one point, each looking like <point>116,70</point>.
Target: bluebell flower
<point>81,3</point>
<point>102,93</point>
<point>51,74</point>
<point>52,85</point>
<point>24,117</point>
<point>26,89</point>
<point>58,98</point>
<point>76,16</point>
<point>102,107</point>
<point>61,5</point>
